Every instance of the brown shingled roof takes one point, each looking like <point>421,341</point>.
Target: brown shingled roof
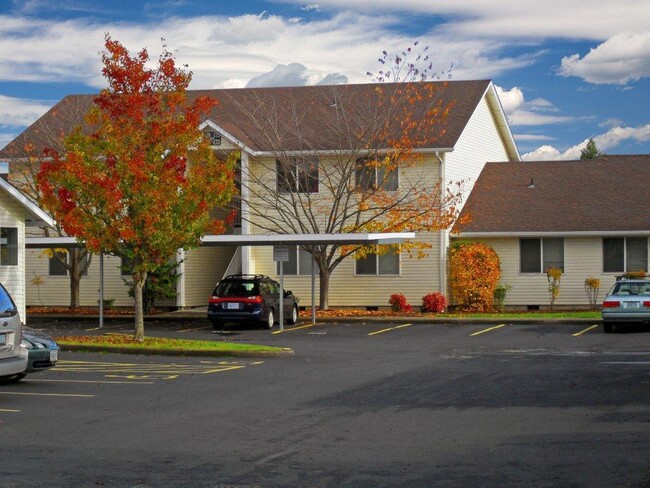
<point>609,194</point>
<point>308,107</point>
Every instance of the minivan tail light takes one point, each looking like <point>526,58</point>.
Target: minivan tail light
<point>646,303</point>
<point>255,299</point>
<point>611,304</point>
<point>215,300</point>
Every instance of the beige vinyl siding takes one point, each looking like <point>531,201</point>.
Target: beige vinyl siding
<point>417,278</point>
<point>582,259</point>
<point>13,277</point>
<point>55,290</point>
<point>479,143</point>
<point>203,268</point>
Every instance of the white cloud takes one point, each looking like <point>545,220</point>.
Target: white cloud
<point>19,112</point>
<point>294,74</point>
<point>604,142</point>
<point>522,113</point>
<point>620,60</point>
<point>532,137</point>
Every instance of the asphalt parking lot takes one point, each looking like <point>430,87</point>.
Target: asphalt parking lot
<point>365,404</point>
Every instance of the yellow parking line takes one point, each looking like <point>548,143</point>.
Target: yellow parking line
<point>8,410</point>
<point>577,334</point>
<point>294,328</point>
<point>95,382</point>
<point>389,329</point>
<point>488,330</point>
<point>196,328</point>
<point>45,394</point>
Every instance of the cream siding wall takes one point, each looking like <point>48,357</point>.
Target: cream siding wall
<point>204,267</point>
<point>480,142</point>
<point>417,276</point>
<point>13,277</point>
<point>582,259</point>
<point>55,291</point>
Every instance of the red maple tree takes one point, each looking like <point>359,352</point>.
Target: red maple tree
<point>141,181</point>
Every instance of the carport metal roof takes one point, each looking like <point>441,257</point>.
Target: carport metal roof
<point>246,240</point>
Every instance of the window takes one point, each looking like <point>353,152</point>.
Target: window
<point>622,254</point>
<point>57,268</point>
<point>297,175</point>
<point>299,263</point>
<point>369,177</point>
<point>8,246</point>
<point>379,264</point>
<point>538,255</point>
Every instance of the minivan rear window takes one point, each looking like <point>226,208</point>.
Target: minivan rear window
<point>7,305</point>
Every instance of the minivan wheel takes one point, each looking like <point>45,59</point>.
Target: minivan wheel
<point>294,316</point>
<point>269,319</point>
<point>12,379</point>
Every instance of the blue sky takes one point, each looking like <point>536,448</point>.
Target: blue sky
<point>566,70</point>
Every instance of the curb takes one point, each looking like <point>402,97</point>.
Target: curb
<point>284,353</point>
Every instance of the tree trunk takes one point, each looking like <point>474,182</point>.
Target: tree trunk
<point>138,285</point>
<point>74,290</point>
<point>324,281</point>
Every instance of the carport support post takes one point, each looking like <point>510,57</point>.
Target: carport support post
<point>281,295</point>
<point>101,290</point>
<point>313,288</point>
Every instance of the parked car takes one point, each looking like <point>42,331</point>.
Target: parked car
<point>627,302</point>
<point>42,350</point>
<point>250,298</point>
<point>13,359</point>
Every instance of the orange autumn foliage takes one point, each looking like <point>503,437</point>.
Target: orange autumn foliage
<point>474,272</point>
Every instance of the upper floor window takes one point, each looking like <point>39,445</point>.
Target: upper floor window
<point>8,246</point>
<point>370,176</point>
<point>379,264</point>
<point>538,255</point>
<point>297,175</point>
<point>622,254</point>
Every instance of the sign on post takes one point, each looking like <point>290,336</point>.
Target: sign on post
<point>281,254</point>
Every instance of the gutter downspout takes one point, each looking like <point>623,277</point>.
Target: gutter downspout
<point>245,224</point>
<point>444,233</point>
<point>180,282</point>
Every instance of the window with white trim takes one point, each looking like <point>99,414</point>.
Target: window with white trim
<point>8,246</point>
<point>621,254</point>
<point>300,263</point>
<point>57,268</point>
<point>539,254</point>
<point>379,264</point>
<point>370,176</point>
<point>297,175</point>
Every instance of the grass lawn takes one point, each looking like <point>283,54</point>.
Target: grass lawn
<point>160,345</point>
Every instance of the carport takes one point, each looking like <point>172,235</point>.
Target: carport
<point>366,239</point>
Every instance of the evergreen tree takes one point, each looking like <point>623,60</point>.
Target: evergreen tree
<point>590,151</point>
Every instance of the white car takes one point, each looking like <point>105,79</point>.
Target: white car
<point>13,358</point>
<point>627,302</point>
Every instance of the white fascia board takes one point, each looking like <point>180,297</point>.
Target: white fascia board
<point>501,119</point>
<point>618,233</point>
<point>34,210</point>
<point>306,239</point>
<point>51,242</point>
<point>228,135</point>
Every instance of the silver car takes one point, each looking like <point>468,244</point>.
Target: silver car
<point>627,302</point>
<point>13,358</point>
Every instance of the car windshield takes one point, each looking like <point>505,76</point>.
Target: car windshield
<point>236,289</point>
<point>7,305</point>
<point>624,288</point>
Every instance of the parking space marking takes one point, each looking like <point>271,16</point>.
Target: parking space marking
<point>294,328</point>
<point>133,371</point>
<point>24,393</point>
<point>389,329</point>
<point>195,328</point>
<point>578,334</point>
<point>9,410</point>
<point>487,330</point>
<point>95,382</point>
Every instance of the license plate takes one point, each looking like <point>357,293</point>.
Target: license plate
<point>54,355</point>
<point>3,339</point>
<point>232,306</point>
<point>631,304</point>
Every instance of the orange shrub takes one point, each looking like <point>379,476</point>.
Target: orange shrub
<point>474,272</point>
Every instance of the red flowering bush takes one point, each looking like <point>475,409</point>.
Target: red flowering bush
<point>434,302</point>
<point>398,303</point>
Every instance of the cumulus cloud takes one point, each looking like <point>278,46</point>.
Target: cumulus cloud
<point>522,113</point>
<point>19,112</point>
<point>620,60</point>
<point>294,74</point>
<point>604,142</point>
